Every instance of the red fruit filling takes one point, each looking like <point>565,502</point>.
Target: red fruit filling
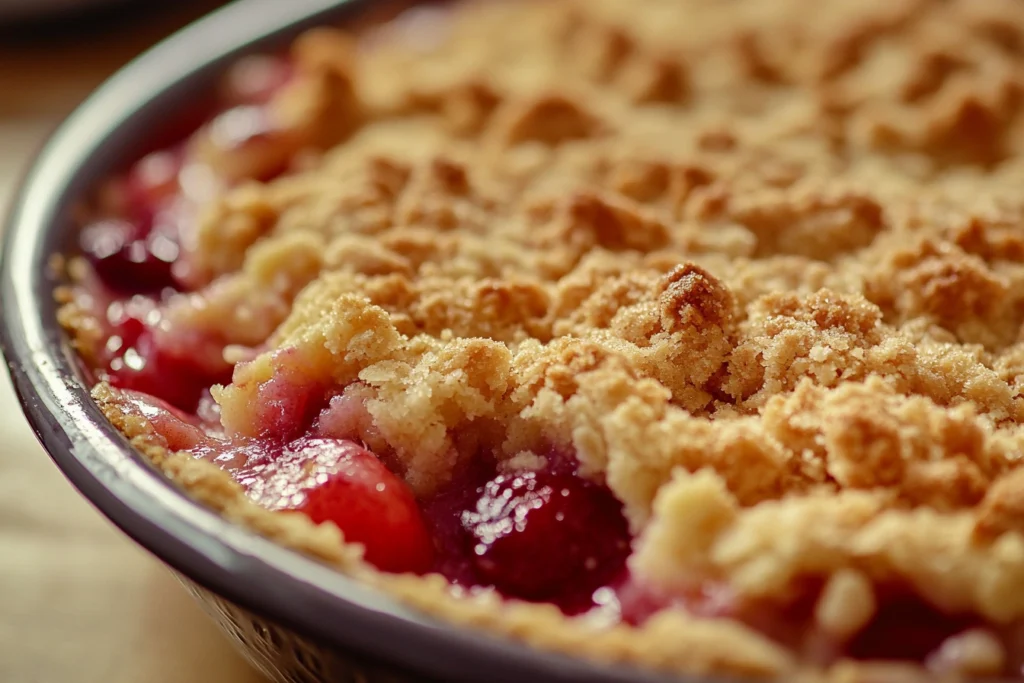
<point>907,628</point>
<point>544,536</point>
<point>129,258</point>
<point>136,360</point>
<point>329,480</point>
<point>340,481</point>
<point>443,512</point>
<point>286,409</point>
<point>181,431</point>
<point>137,253</point>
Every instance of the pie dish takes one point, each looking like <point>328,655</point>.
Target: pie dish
<point>675,334</point>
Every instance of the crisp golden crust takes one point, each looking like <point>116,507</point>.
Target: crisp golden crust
<point>760,269</point>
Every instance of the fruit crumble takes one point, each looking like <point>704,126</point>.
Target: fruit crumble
<point>680,333</point>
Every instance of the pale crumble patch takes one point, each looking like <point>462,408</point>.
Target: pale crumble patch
<point>974,653</point>
<point>703,500</point>
<point>760,270</point>
<point>846,605</point>
<point>936,553</point>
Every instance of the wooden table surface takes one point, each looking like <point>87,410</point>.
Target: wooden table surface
<point>79,603</point>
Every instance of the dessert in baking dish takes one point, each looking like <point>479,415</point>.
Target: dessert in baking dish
<point>685,333</point>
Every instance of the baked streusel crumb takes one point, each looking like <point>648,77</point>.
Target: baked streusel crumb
<point>755,267</point>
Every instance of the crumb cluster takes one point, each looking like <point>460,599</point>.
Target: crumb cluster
<point>758,265</point>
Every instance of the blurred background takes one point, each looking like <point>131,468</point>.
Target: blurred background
<point>78,602</point>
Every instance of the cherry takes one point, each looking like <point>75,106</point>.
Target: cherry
<point>443,512</point>
<point>137,362</point>
<point>127,257</point>
<point>286,406</point>
<point>547,536</point>
<point>339,481</point>
<point>178,429</point>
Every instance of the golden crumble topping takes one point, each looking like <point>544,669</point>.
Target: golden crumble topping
<point>758,265</point>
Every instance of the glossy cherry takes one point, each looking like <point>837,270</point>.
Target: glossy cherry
<point>180,430</point>
<point>286,406</point>
<point>546,536</point>
<point>136,252</point>
<point>128,257</point>
<point>138,362</point>
<point>339,481</point>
